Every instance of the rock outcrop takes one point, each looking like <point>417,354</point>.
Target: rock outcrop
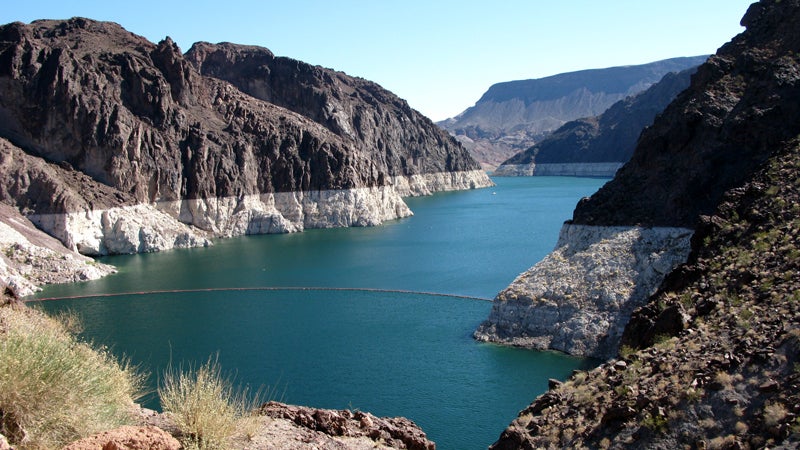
<point>153,149</point>
<point>512,116</point>
<point>128,438</point>
<point>393,432</point>
<point>579,298</point>
<point>710,361</point>
<point>30,258</point>
<point>280,426</point>
<point>597,146</point>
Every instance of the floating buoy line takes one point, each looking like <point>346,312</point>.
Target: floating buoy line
<point>261,288</point>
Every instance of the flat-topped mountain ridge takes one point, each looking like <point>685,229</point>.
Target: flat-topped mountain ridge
<point>513,116</point>
<point>598,145</point>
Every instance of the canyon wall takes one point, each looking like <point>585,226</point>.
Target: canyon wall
<point>512,116</point>
<point>153,149</point>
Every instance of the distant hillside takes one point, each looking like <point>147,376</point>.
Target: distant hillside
<point>598,146</point>
<point>512,116</point>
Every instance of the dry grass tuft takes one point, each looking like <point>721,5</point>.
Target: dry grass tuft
<point>55,389</point>
<point>204,405</point>
<point>774,413</point>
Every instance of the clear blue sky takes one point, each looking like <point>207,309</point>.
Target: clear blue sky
<point>440,56</point>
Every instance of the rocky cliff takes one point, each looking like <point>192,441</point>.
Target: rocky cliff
<point>579,298</point>
<point>599,145</point>
<point>393,135</point>
<point>710,360</point>
<point>203,139</point>
<point>512,116</point>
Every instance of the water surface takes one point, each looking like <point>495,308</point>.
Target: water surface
<point>393,354</point>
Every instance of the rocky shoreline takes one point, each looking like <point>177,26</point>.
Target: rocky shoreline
<point>25,266</point>
<point>30,258</point>
<point>146,228</point>
<point>579,298</point>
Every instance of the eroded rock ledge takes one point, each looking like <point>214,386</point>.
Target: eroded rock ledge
<point>30,258</point>
<point>579,298</point>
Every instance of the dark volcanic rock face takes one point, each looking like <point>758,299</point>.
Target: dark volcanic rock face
<point>357,110</point>
<point>302,147</point>
<point>742,104</point>
<point>136,116</point>
<point>609,137</point>
<point>31,184</point>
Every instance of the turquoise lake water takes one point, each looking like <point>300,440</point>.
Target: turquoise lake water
<point>389,353</point>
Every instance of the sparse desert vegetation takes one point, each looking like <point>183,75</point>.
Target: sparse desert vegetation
<point>54,388</point>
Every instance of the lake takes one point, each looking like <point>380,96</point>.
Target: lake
<point>396,351</point>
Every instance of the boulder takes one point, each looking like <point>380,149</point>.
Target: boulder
<point>128,438</point>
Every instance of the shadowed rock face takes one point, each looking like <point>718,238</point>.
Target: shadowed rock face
<point>287,146</point>
<point>741,105</point>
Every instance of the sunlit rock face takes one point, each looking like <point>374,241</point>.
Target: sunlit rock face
<point>579,298</point>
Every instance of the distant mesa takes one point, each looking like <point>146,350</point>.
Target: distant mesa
<point>597,146</point>
<point>513,116</point>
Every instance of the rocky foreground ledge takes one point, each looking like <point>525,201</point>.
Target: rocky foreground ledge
<point>276,426</point>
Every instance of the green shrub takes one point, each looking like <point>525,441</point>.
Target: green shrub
<point>204,405</point>
<point>55,389</point>
<point>656,422</point>
<point>626,351</point>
